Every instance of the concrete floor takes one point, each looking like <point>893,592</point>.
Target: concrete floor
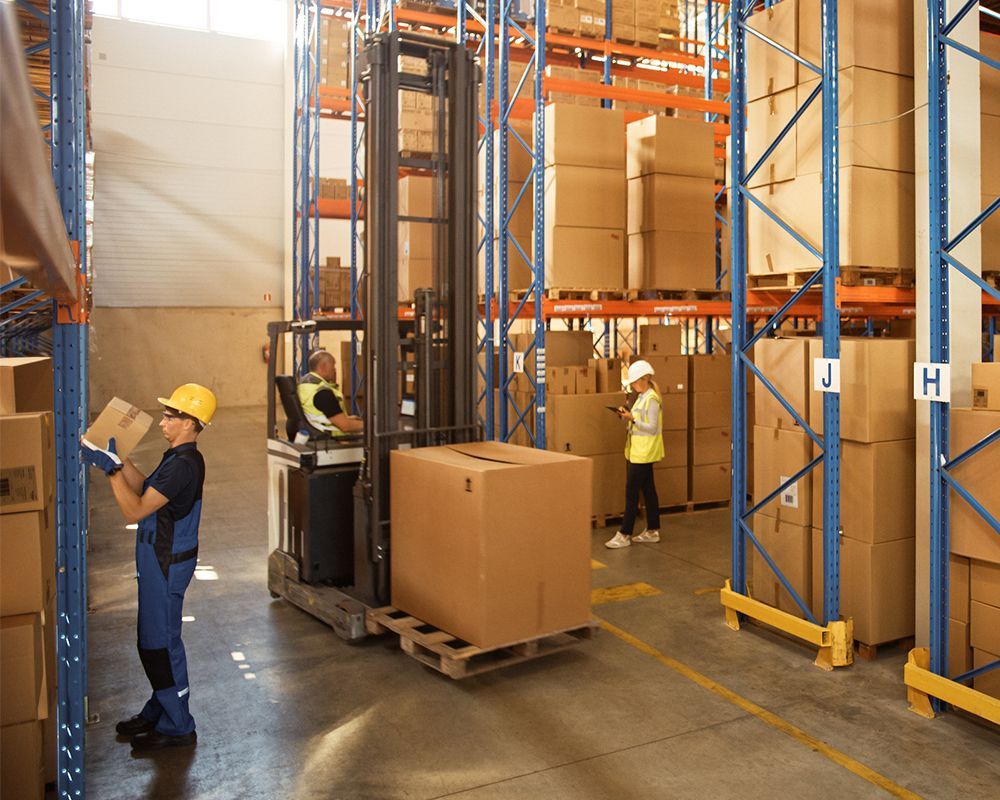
<point>312,717</point>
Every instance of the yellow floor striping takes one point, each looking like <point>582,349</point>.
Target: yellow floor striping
<point>627,591</point>
<point>595,564</point>
<point>707,590</point>
<point>776,722</point>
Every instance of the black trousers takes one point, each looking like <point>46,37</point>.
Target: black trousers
<point>639,478</point>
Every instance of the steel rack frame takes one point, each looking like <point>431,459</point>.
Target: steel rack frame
<point>832,636</point>
<point>929,687</point>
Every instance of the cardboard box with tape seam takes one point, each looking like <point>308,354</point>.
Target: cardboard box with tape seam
<point>120,420</point>
<point>27,462</point>
<point>25,385</point>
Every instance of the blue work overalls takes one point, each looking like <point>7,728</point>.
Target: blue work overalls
<point>166,552</point>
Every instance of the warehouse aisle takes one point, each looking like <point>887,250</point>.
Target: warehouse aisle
<point>665,702</point>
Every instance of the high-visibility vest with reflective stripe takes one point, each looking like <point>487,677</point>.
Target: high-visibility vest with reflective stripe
<point>306,390</point>
<point>643,448</point>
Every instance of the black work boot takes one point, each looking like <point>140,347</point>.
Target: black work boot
<point>154,740</point>
<point>132,727</point>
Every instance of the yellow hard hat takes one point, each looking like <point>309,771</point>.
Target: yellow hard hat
<point>192,399</point>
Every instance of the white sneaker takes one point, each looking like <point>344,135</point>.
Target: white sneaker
<point>647,536</point>
<point>618,540</point>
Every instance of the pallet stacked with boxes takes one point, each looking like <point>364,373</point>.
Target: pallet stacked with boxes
<point>989,109</point>
<point>639,85</point>
<point>27,578</point>
<point>877,480</point>
<point>334,285</point>
<point>671,204</point>
<point>415,239</point>
<point>877,236</point>
<point>584,197</point>
<point>334,52</point>
<point>711,440</point>
<point>416,113</point>
<point>975,562</point>
<point>573,74</point>
<point>623,21</point>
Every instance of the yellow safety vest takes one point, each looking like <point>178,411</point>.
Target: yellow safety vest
<point>306,391</point>
<point>643,448</point>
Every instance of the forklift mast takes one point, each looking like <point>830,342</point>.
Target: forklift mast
<point>438,348</point>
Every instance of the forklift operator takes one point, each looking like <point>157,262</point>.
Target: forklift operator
<point>321,399</point>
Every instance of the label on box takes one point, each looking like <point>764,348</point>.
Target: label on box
<point>980,398</point>
<point>932,382</point>
<point>18,485</point>
<point>826,375</point>
<point>790,496</point>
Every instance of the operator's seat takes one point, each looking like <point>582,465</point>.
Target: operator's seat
<point>295,418</point>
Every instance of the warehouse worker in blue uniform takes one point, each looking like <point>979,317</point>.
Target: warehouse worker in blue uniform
<point>321,399</point>
<point>167,508</point>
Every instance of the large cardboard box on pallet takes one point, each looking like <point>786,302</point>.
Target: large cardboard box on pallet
<point>877,491</point>
<point>659,202</point>
<point>23,687</point>
<point>27,462</point>
<point>458,564</point>
<point>876,389</point>
<point>671,485</point>
<point>711,446</point>
<point>670,374</point>
<point>710,373</point>
<point>710,483</point>
<point>866,95</point>
<point>971,535</point>
<point>670,146</point>
<point>25,385</point>
<point>876,586</point>
<point>984,626</point>
<point>877,34</point>
<point>785,364</point>
<point>22,775</point>
<point>778,455</point>
<point>583,425</point>
<point>766,118</point>
<point>562,349</point>
<point>984,582</point>
<point>675,449</point>
<point>585,197</point>
<point>714,410</point>
<point>660,340</point>
<point>584,258</point>
<point>674,260</point>
<point>790,548</point>
<point>584,136</point>
<point>769,70</point>
<point>675,411</point>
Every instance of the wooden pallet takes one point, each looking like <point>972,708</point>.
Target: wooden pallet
<point>679,294</point>
<point>583,294</point>
<point>902,279</point>
<point>869,652</point>
<point>457,659</point>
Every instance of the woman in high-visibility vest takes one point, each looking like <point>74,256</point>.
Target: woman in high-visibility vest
<point>643,448</point>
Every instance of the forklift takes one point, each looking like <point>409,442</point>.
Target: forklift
<point>329,536</point>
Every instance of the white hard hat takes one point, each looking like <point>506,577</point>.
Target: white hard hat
<point>638,369</point>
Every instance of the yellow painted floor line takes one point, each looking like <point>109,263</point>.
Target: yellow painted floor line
<point>708,590</point>
<point>627,591</point>
<point>772,719</point>
<point>595,564</point>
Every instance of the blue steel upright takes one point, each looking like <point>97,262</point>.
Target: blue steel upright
<point>69,145</point>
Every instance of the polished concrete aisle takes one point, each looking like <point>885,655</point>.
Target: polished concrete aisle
<point>665,702</point>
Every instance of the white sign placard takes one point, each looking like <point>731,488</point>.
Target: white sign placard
<point>932,382</point>
<point>519,362</point>
<point>826,375</point>
<point>790,496</point>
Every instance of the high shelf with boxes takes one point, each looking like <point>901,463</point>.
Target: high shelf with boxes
<point>43,414</point>
<point>964,503</point>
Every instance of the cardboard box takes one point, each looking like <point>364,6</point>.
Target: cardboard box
<point>990,242</point>
<point>659,202</point>
<point>865,96</point>
<point>877,491</point>
<point>959,651</point>
<point>989,78</point>
<point>670,374</point>
<point>23,695</point>
<point>671,146</point>
<point>984,626</point>
<point>711,410</point>
<point>711,446</point>
<point>609,484</point>
<point>877,34</point>
<point>675,449</point>
<point>21,754</point>
<point>27,562</point>
<point>959,587</point>
<point>711,483</point>
<point>766,118</point>
<point>671,260</point>
<point>562,349</point>
<point>986,386</point>
<point>584,136</point>
<point>768,70</point>
<point>584,258</point>
<point>876,586</point>
<point>984,583</point>
<point>971,536</point>
<point>876,389</point>
<point>582,425</point>
<point>778,455</point>
<point>790,548</point>
<point>25,385</point>
<point>122,421</point>
<point>711,373</point>
<point>785,364</point>
<point>989,682</point>
<point>586,380</point>
<point>27,462</point>
<point>569,197</point>
<point>675,411</point>
<point>671,485</point>
<point>660,340</point>
<point>608,372</point>
<point>495,505</point>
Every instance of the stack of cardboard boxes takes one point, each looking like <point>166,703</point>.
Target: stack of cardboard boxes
<point>27,578</point>
<point>334,189</point>
<point>334,52</point>
<point>334,285</point>
<point>584,197</point>
<point>416,113</point>
<point>640,85</point>
<point>974,626</point>
<point>623,20</point>
<point>876,161</point>
<point>989,109</point>
<point>671,204</point>
<point>877,480</point>
<point>710,439</point>
<point>415,240</point>
<point>573,74</point>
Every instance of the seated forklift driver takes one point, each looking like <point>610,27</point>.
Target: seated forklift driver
<point>321,399</point>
